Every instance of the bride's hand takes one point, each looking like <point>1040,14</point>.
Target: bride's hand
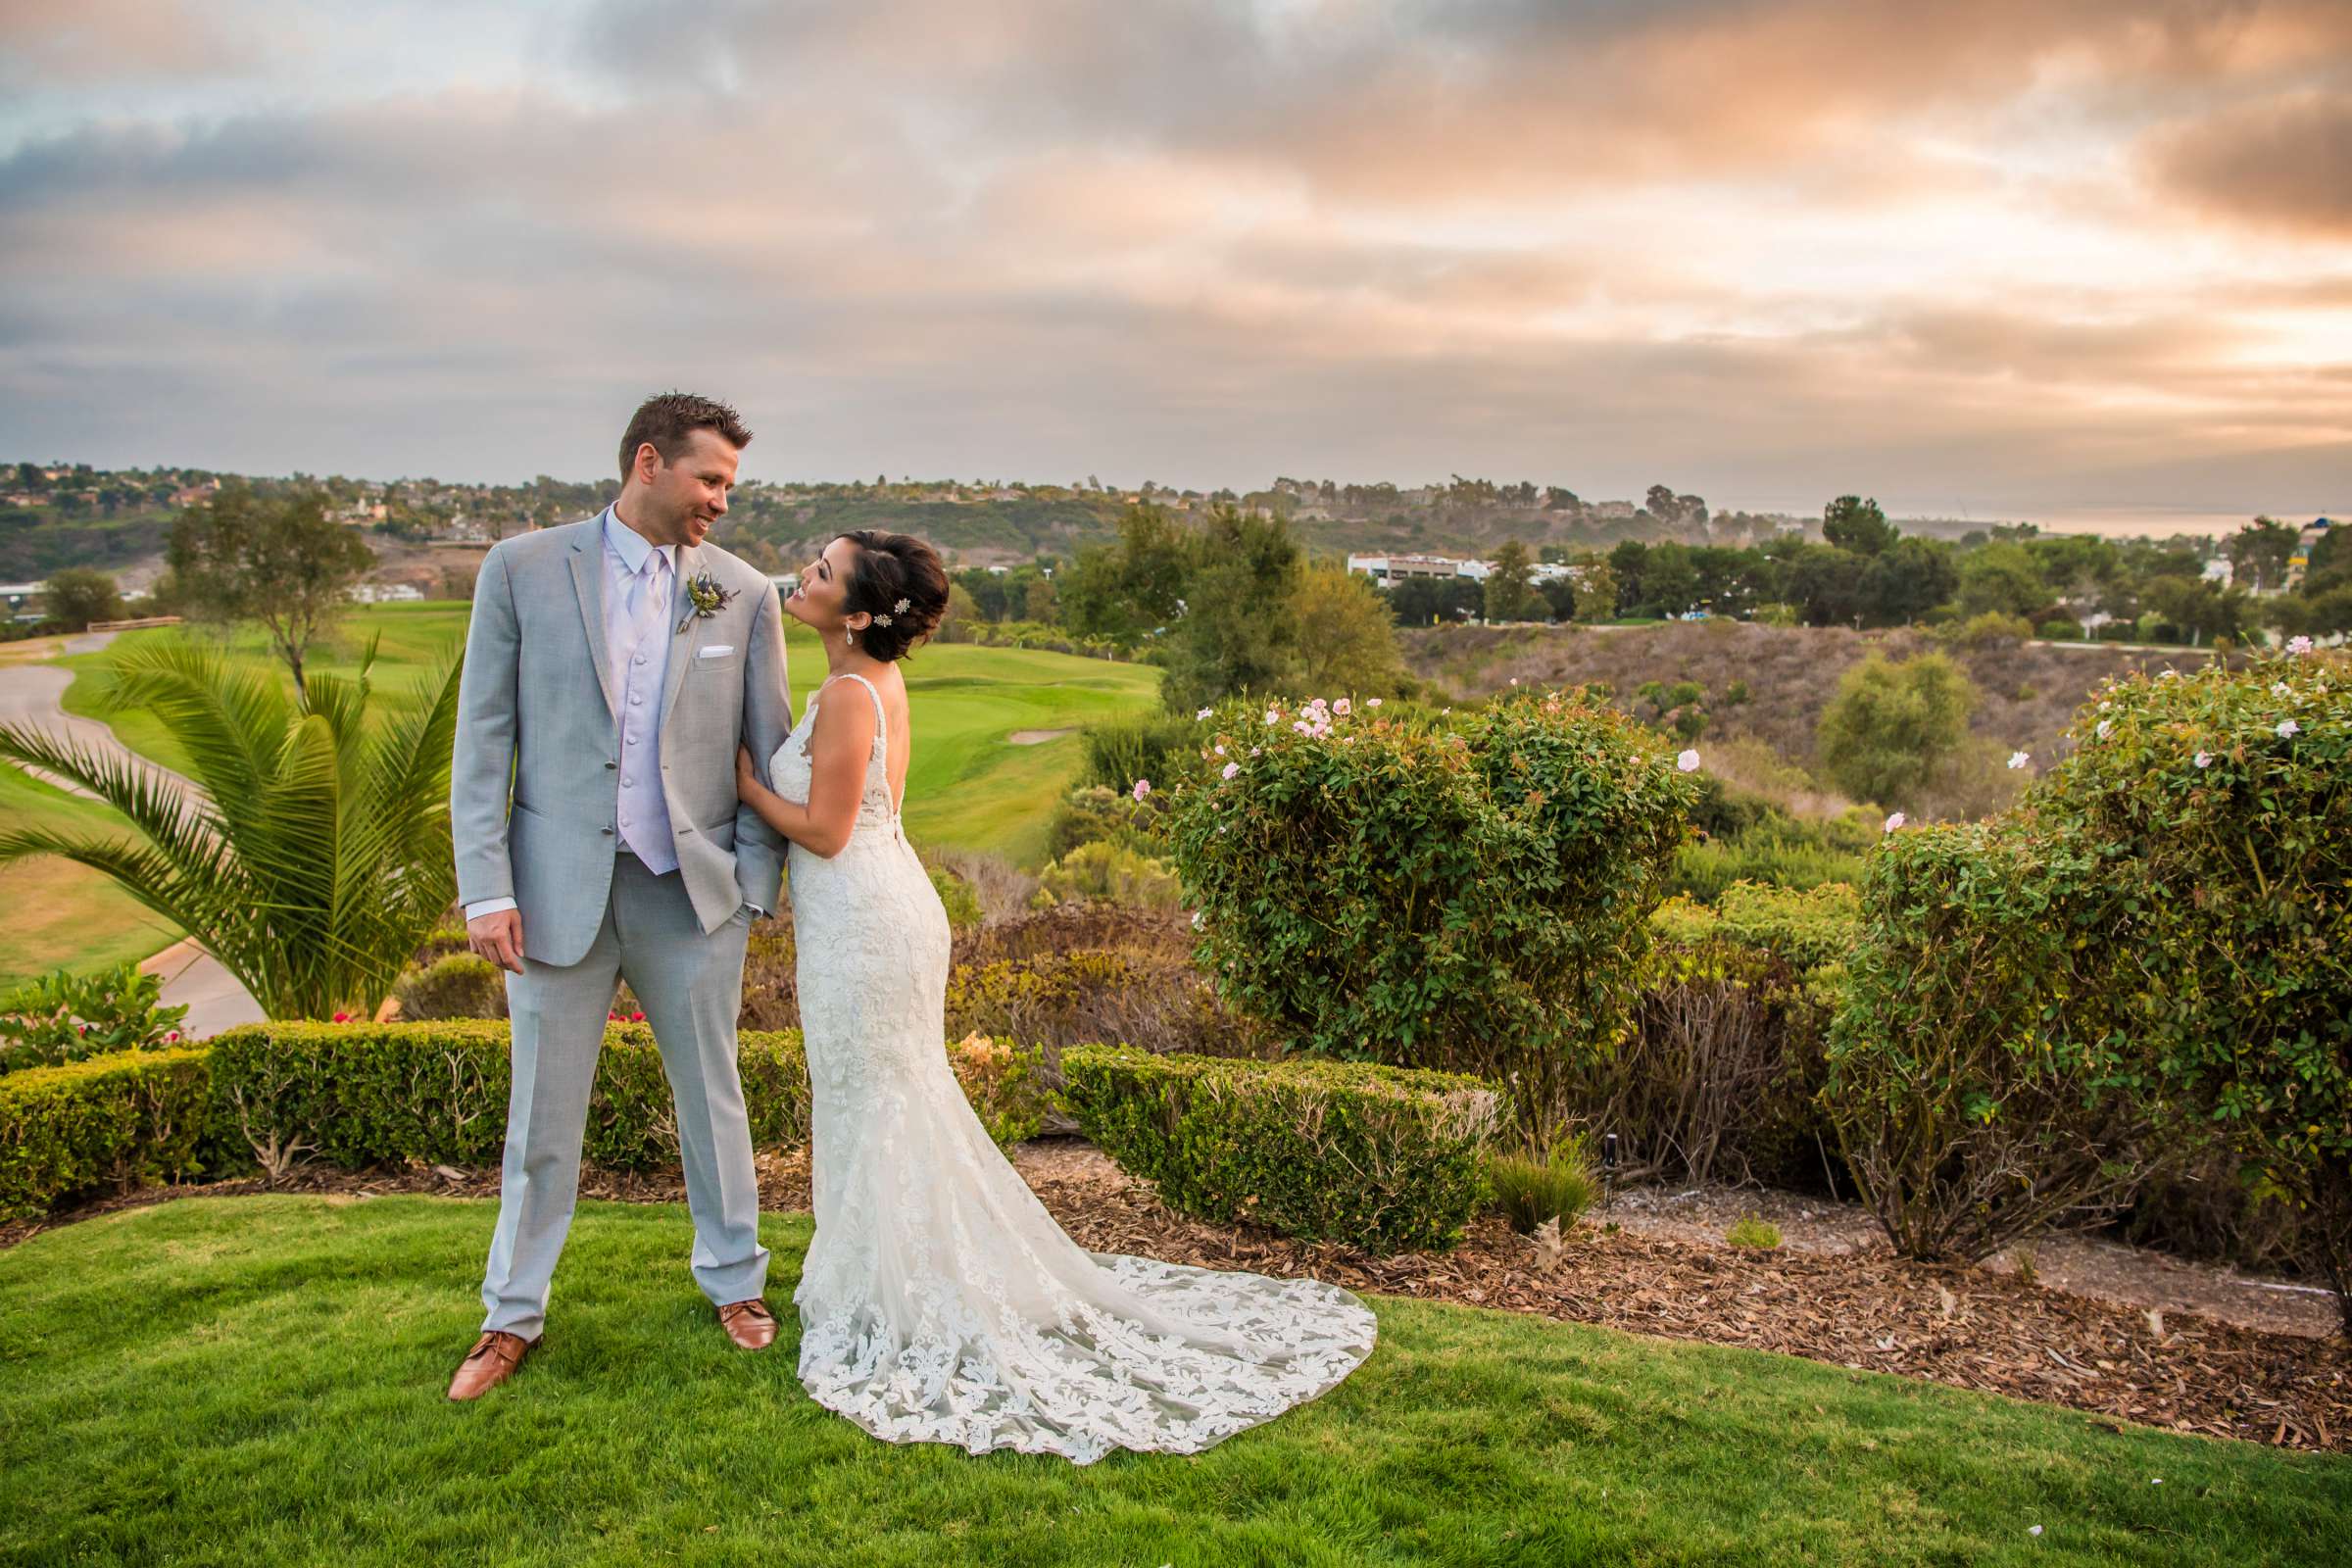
<point>747,777</point>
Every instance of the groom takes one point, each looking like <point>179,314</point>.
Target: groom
<point>611,667</point>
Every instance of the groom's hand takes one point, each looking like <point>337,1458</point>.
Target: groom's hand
<point>498,937</point>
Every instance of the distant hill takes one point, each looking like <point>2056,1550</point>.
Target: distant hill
<point>32,547</point>
<point>57,516</point>
<point>1772,682</point>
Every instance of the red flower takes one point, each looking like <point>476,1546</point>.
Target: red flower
<point>636,1017</point>
<point>342,1018</point>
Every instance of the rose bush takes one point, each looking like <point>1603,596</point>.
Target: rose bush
<point>1464,892</point>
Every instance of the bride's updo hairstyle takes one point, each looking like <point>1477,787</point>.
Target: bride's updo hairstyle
<point>894,569</point>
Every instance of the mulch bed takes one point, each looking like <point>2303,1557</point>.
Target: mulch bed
<point>1953,1324</point>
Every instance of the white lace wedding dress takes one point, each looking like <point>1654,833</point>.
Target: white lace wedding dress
<point>939,1301</point>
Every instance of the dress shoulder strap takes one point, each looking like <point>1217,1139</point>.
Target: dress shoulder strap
<point>881,717</point>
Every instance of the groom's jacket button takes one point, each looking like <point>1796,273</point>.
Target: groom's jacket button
<point>610,766</point>
<point>607,832</point>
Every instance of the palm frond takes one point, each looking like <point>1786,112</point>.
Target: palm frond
<point>180,825</point>
<point>227,719</point>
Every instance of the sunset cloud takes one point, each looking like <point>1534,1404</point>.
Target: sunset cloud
<point>1996,256</point>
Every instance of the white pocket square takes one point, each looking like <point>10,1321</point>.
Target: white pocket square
<point>721,651</point>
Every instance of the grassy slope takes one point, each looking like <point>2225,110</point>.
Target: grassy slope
<point>277,1397</point>
<point>968,790</point>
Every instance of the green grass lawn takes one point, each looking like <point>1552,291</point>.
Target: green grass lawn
<point>255,1380</point>
<point>968,788</point>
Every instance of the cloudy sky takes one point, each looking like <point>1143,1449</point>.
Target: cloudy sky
<point>1982,258</point>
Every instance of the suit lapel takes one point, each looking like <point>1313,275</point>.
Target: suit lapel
<point>588,581</point>
<point>682,641</point>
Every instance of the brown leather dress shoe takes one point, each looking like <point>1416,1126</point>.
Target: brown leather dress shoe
<point>750,1324</point>
<point>492,1361</point>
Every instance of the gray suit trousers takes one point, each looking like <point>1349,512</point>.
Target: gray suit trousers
<point>691,985</point>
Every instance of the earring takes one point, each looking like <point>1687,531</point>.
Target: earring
<point>850,636</point>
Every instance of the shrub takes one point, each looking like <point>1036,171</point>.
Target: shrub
<point>1153,1001</point>
<point>361,1094</point>
<point>1108,874</point>
<point>771,981</point>
<point>1889,727</point>
<point>101,1122</point>
<point>1096,813</point>
<point>1005,1086</point>
<point>443,941</point>
<point>1720,810</point>
<point>1814,929</point>
<point>460,986</point>
<point>1988,629</point>
<point>1980,1081</point>
<point>1383,1158</point>
<point>956,897</point>
<point>1726,1056</point>
<point>1465,894</point>
<point>1154,747</point>
<point>2061,631</point>
<point>1972,782</point>
<point>1753,1232</point>
<point>1531,1187</point>
<point>2235,923</point>
<point>2208,1204</point>
<point>1790,857</point>
<point>61,1018</point>
<point>1067,927</point>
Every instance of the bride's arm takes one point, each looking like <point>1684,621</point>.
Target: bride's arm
<point>839,746</point>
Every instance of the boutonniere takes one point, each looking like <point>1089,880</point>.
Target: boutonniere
<point>707,597</point>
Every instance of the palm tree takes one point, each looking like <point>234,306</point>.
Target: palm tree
<point>317,856</point>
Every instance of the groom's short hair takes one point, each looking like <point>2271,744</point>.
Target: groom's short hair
<point>669,418</point>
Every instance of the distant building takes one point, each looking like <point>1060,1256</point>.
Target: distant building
<point>2305,543</point>
<point>2220,570</point>
<point>22,600</point>
<point>1385,570</point>
<point>384,593</point>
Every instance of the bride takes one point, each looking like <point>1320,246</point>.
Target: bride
<point>939,1301</point>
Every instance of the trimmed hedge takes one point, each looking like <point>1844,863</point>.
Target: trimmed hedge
<point>361,1094</point>
<point>1385,1158</point>
<point>106,1121</point>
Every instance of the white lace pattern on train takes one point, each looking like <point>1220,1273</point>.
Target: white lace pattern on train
<point>939,1301</point>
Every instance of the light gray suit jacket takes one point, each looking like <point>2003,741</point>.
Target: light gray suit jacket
<point>533,789</point>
